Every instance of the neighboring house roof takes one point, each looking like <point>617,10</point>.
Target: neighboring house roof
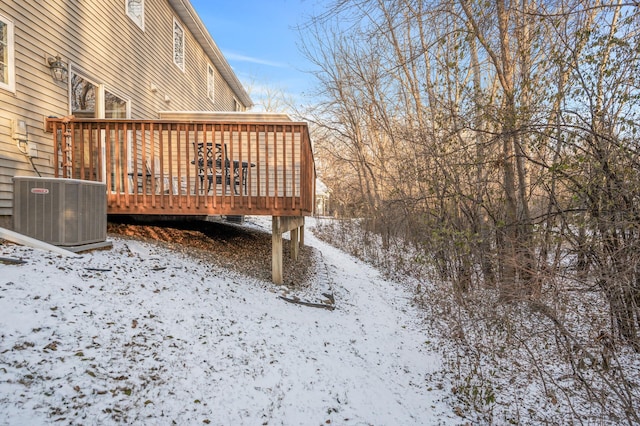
<point>190,17</point>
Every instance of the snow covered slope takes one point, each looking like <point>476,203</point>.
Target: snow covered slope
<point>141,335</point>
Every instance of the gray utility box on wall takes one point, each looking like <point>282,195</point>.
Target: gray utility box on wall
<point>64,212</point>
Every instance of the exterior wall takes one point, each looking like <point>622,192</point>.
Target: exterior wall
<point>98,39</point>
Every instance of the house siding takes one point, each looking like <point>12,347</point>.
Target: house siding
<point>99,40</point>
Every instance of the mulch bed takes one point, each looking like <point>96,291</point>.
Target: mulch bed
<point>243,249</point>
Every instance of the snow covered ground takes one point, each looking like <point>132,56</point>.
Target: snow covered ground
<point>141,335</point>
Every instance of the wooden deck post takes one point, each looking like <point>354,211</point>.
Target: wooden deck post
<point>295,243</point>
<point>276,251</point>
<point>280,225</point>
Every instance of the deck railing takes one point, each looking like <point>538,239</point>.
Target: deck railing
<point>162,167</point>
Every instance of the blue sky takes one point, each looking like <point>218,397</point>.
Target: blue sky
<point>258,38</point>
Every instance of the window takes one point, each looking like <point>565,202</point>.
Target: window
<point>211,76</point>
<point>91,100</point>
<point>83,97</point>
<point>178,44</point>
<point>7,77</point>
<point>114,106</point>
<point>135,11</point>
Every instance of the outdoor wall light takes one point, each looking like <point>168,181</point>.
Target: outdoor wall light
<point>58,69</point>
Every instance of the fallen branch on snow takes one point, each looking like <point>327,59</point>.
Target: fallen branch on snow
<point>298,301</point>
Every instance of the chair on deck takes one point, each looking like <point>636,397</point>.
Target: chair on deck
<point>222,172</point>
<point>156,174</point>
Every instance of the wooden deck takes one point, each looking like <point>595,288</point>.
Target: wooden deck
<point>190,168</point>
<point>195,167</point>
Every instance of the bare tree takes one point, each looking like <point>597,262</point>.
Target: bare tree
<point>499,138</point>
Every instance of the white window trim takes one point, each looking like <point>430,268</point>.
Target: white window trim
<point>11,84</point>
<point>138,21</point>
<point>173,41</point>
<point>211,82</point>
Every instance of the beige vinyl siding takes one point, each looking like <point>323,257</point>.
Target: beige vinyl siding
<point>224,95</point>
<point>116,52</point>
<point>100,41</point>
<point>35,97</point>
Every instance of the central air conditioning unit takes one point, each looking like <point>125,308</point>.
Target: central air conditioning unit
<point>63,212</point>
